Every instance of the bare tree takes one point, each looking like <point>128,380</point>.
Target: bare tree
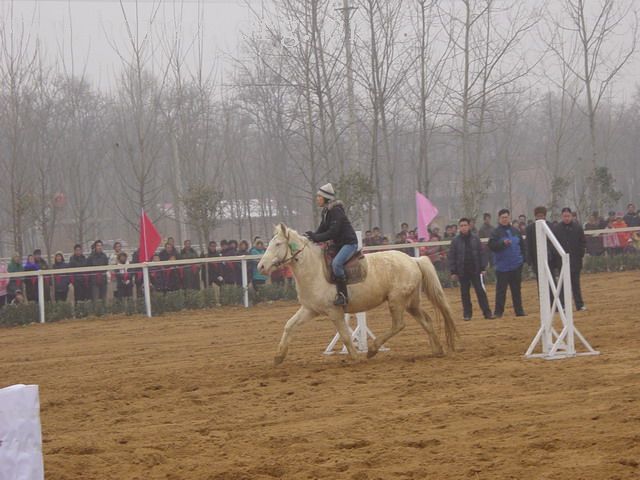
<point>18,65</point>
<point>596,56</point>
<point>138,144</point>
<point>384,61</point>
<point>486,35</point>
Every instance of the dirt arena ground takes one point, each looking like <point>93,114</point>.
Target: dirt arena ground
<point>195,396</point>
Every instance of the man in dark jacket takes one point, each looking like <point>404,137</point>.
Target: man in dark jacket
<point>467,263</point>
<point>507,244</point>
<point>212,273</point>
<point>540,213</point>
<point>631,217</point>
<point>98,279</point>
<point>191,272</point>
<point>571,236</point>
<point>335,226</point>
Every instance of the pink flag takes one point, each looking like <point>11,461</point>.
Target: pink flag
<point>426,212</point>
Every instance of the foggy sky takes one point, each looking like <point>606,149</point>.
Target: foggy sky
<point>97,26</point>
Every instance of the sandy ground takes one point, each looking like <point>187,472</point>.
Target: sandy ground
<point>195,396</point>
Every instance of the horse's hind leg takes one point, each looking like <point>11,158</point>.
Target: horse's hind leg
<point>300,316</point>
<point>424,319</point>
<point>397,324</point>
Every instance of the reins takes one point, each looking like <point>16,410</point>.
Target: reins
<point>293,256</point>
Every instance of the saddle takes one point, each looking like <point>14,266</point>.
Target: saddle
<point>355,268</point>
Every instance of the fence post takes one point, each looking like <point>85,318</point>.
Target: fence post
<point>245,284</point>
<point>416,252</point>
<point>41,296</point>
<point>147,289</point>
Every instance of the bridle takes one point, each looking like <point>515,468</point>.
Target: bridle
<point>293,255</point>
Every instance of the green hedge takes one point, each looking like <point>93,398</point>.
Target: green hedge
<point>161,303</point>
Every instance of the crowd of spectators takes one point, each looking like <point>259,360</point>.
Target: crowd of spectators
<point>126,282</point>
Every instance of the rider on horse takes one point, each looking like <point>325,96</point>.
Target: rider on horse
<point>335,226</point>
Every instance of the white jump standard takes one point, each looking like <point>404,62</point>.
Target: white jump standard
<point>555,345</point>
<point>359,336</point>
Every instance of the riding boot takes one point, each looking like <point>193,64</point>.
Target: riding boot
<point>342,298</point>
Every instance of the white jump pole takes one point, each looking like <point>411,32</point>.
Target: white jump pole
<point>41,296</point>
<point>147,289</point>
<point>555,344</point>
<point>245,284</point>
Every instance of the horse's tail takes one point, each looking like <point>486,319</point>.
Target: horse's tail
<point>433,289</point>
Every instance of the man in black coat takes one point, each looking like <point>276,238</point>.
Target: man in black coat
<point>540,213</point>
<point>98,279</point>
<point>335,226</point>
<point>631,217</point>
<point>81,287</point>
<point>571,236</point>
<point>467,263</point>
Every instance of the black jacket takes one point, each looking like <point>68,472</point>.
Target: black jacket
<point>460,248</point>
<point>631,220</point>
<point>335,226</point>
<point>532,248</point>
<point>571,237</point>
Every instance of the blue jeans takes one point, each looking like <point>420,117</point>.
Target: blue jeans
<point>341,258</point>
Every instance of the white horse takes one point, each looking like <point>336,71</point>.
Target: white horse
<point>392,276</point>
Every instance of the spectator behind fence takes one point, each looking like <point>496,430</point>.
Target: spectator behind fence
<point>508,246</point>
<point>467,264</point>
<point>624,238</point>
<point>31,283</point>
<point>19,298</point>
<point>231,269</point>
<point>169,251</point>
<point>257,279</point>
<point>171,273</point>
<point>595,245</point>
<point>487,228</point>
<point>401,239</point>
<point>113,258</point>
<point>98,282</point>
<point>631,217</point>
<point>37,258</point>
<point>191,276</point>
<point>81,286</point>
<point>377,238</point>
<point>540,213</point>
<point>156,276</point>
<point>15,265</point>
<point>60,281</point>
<point>212,274</point>
<point>571,236</point>
<point>124,279</point>
<point>368,238</point>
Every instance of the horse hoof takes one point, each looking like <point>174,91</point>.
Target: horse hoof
<point>278,360</point>
<point>372,353</point>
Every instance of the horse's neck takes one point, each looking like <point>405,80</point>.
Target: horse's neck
<point>307,269</point>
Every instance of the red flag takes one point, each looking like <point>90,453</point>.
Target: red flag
<point>149,238</point>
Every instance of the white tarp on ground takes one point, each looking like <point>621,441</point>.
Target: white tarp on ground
<point>20,435</point>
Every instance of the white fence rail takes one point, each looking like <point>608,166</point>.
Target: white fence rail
<point>243,260</point>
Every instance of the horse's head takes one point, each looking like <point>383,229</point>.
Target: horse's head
<point>282,248</point>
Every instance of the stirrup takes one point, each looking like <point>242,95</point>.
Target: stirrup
<point>341,300</point>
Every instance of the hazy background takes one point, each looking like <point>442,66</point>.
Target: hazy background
<point>221,118</point>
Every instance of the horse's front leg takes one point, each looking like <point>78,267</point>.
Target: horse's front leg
<point>300,316</point>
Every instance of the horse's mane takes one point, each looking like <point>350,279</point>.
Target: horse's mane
<point>281,228</point>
